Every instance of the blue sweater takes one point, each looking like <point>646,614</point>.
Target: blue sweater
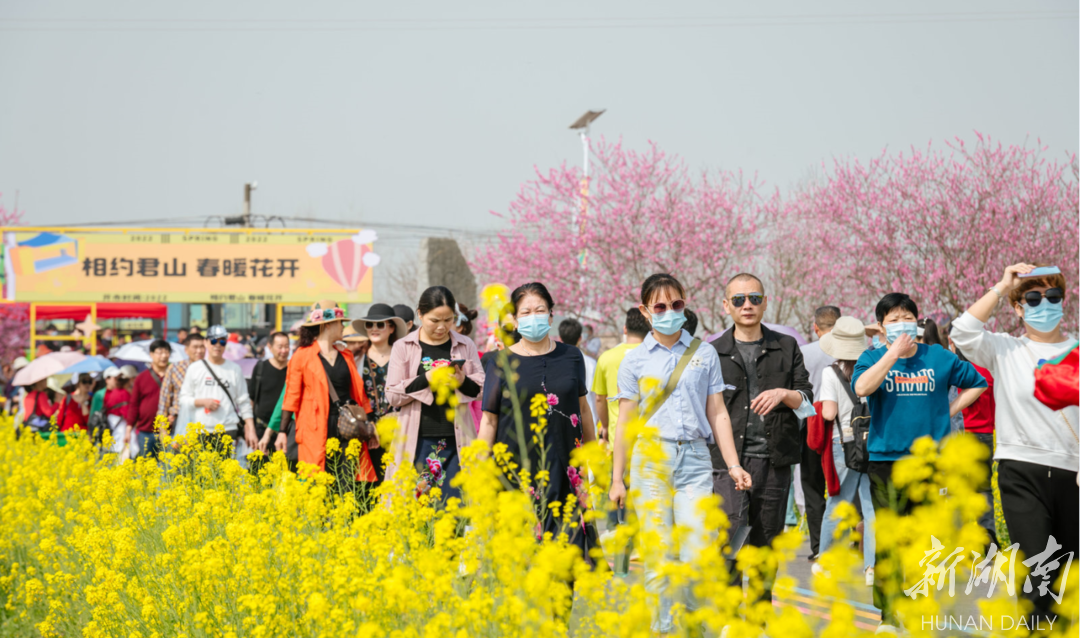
<point>913,400</point>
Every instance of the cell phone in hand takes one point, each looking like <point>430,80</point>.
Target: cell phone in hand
<point>458,363</point>
<point>1043,271</point>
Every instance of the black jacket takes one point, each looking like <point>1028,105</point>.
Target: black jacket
<point>779,365</point>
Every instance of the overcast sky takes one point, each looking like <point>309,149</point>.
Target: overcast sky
<point>434,113</point>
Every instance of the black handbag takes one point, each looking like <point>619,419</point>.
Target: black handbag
<point>856,454</point>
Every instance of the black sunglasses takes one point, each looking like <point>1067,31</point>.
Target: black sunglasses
<point>218,342</point>
<point>1033,297</point>
<point>378,325</point>
<point>661,308</point>
<point>755,298</point>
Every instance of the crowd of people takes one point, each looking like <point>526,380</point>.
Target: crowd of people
<point>735,415</point>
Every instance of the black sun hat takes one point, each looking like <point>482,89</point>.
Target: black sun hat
<point>380,312</point>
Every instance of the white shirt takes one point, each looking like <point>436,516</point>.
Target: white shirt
<point>832,389</point>
<point>200,384</point>
<point>1026,429</point>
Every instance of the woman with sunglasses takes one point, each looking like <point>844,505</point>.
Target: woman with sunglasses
<point>1037,448</point>
<point>668,492</point>
<point>431,435</point>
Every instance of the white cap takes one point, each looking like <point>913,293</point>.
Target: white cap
<point>20,363</point>
<point>111,371</point>
<point>129,372</point>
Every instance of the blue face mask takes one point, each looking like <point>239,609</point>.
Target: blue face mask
<point>1043,317</point>
<point>669,323</point>
<point>534,327</point>
<point>878,343</point>
<point>894,330</point>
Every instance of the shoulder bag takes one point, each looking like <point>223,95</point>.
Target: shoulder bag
<point>352,420</point>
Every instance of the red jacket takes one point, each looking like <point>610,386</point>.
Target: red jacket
<point>819,439</point>
<point>142,407</point>
<point>307,396</point>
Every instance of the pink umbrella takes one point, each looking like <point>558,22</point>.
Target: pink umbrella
<point>45,366</point>
<point>234,351</point>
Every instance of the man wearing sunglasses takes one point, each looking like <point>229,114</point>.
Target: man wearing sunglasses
<point>768,392</point>
<point>215,391</point>
<point>1038,452</point>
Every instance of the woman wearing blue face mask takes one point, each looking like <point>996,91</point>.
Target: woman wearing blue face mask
<point>1037,449</point>
<point>907,385</point>
<point>555,371</point>
<point>668,492</point>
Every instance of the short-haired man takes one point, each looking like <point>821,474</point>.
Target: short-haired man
<point>181,335</point>
<point>768,393</point>
<point>169,399</point>
<point>907,385</point>
<point>570,331</point>
<point>215,390</point>
<point>145,396</point>
<point>811,475</point>
<point>268,382</point>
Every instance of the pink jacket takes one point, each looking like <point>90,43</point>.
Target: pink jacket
<point>404,362</point>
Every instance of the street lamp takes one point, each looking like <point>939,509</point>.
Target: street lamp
<point>581,125</point>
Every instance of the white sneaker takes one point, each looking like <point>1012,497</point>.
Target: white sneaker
<point>869,576</point>
<point>893,630</point>
<point>817,569</point>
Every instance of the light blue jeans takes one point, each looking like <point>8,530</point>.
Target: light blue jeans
<point>669,494</point>
<point>851,483</point>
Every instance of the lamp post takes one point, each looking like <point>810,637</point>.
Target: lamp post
<point>244,219</point>
<point>581,125</point>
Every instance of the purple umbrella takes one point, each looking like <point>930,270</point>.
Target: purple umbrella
<point>771,326</point>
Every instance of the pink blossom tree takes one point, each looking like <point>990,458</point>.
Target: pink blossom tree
<point>14,317</point>
<point>646,213</point>
<point>938,224</point>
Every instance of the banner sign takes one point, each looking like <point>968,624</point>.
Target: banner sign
<point>188,266</point>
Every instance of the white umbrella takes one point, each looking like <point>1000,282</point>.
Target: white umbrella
<point>140,351</point>
<point>46,366</point>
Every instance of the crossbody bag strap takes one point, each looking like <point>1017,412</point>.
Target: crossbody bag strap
<point>222,386</point>
<point>1061,413</point>
<point>330,382</point>
<point>676,374</point>
<point>854,398</point>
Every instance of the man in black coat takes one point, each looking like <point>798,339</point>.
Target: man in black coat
<point>768,391</point>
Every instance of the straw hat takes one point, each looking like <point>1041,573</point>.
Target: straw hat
<point>325,311</point>
<point>846,341</point>
<point>352,336</point>
<point>20,363</point>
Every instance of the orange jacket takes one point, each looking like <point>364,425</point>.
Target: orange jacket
<point>307,396</point>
